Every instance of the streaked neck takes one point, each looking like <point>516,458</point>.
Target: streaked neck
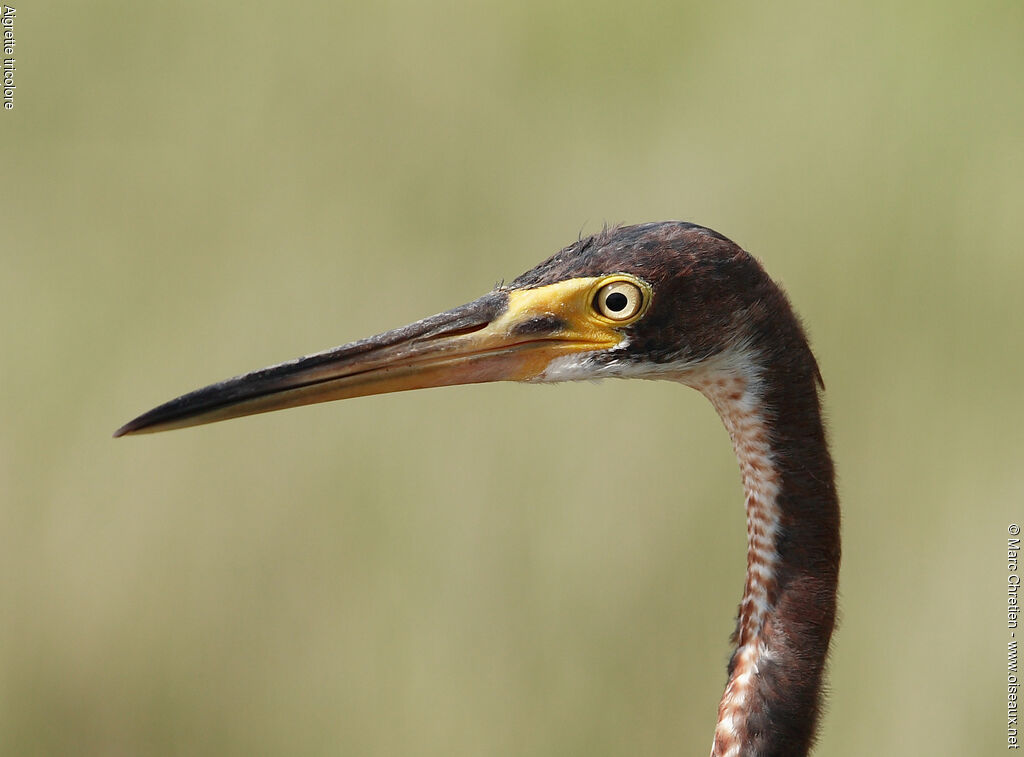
<point>786,617</point>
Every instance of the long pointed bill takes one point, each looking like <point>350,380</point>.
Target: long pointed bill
<point>503,336</point>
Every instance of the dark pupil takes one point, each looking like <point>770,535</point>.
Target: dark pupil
<point>616,301</point>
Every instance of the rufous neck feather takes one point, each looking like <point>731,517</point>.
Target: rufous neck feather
<point>787,613</point>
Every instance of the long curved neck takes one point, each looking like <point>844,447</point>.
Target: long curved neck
<point>786,617</point>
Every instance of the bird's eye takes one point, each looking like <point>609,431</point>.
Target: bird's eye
<point>619,300</point>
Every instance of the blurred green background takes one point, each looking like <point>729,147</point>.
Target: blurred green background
<point>191,190</point>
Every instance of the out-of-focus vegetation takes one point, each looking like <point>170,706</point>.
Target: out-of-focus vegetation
<point>191,190</point>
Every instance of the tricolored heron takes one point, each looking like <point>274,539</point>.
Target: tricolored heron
<point>670,301</point>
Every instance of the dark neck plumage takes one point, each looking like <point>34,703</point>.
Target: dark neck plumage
<point>769,404</point>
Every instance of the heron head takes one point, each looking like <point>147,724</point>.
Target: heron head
<point>640,301</point>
